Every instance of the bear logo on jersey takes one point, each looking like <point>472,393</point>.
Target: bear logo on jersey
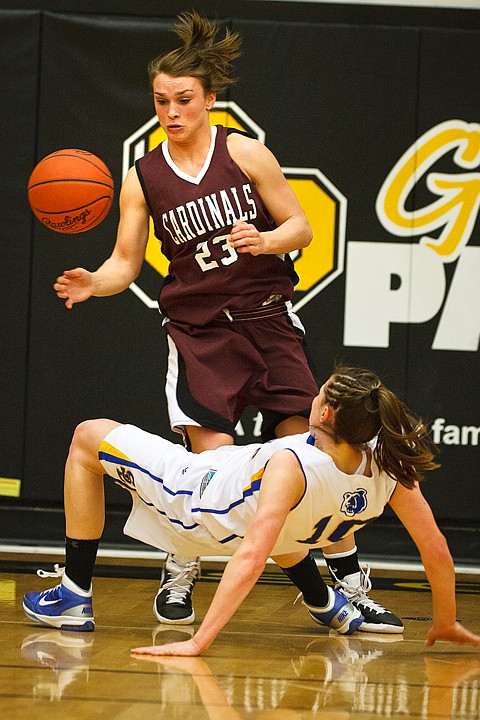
<point>354,502</point>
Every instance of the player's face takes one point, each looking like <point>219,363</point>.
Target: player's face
<point>182,106</point>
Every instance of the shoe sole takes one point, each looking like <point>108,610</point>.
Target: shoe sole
<point>381,628</point>
<point>61,622</point>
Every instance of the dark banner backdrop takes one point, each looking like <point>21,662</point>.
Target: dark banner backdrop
<point>20,34</point>
<point>340,102</point>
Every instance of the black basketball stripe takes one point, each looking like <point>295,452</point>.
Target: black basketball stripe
<point>68,180</point>
<point>72,210</point>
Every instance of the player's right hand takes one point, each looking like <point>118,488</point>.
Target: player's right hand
<point>74,286</point>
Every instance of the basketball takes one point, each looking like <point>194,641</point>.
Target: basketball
<point>70,191</point>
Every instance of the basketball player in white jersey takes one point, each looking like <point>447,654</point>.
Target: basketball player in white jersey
<point>364,450</point>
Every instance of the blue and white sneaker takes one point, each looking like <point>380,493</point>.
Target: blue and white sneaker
<point>355,588</point>
<point>339,614</point>
<point>66,606</point>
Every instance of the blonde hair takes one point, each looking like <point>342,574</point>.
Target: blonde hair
<point>199,56</point>
<point>364,408</point>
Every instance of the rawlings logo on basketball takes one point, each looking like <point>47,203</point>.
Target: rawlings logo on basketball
<point>68,223</point>
<point>354,502</point>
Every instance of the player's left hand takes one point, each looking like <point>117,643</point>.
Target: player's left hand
<point>186,648</point>
<point>454,633</point>
<point>245,238</point>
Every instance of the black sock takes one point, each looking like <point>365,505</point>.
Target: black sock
<point>342,566</point>
<point>306,576</point>
<point>80,556</point>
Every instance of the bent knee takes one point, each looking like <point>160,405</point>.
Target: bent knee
<point>89,434</point>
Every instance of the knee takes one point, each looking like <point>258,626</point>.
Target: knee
<point>88,435</point>
<point>82,436</point>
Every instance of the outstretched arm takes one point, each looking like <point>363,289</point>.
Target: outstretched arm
<point>282,487</point>
<point>124,264</point>
<point>415,514</point>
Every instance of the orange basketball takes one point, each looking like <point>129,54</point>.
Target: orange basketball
<point>70,191</point>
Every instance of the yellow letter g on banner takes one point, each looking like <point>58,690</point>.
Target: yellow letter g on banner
<point>458,201</point>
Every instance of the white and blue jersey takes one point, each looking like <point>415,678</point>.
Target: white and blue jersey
<point>202,504</point>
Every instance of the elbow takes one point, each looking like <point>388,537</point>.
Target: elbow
<point>441,545</point>
<point>256,563</point>
<point>132,267</point>
<point>301,232</point>
<point>442,550</point>
<point>307,236</point>
<point>135,273</point>
<point>252,564</point>
<point>437,551</point>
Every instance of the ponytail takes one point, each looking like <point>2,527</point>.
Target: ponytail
<point>365,408</point>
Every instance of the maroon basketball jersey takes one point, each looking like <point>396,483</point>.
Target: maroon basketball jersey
<point>192,219</point>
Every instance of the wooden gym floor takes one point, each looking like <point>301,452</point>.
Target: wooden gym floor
<point>271,662</point>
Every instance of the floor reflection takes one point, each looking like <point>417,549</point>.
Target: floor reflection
<point>66,653</point>
<point>334,677</point>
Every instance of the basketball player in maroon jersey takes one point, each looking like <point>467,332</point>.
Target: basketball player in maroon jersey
<point>227,220</point>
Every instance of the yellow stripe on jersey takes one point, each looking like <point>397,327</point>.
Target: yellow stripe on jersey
<point>107,450</point>
<point>254,482</point>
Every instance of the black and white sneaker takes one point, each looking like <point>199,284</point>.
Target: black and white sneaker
<point>173,602</point>
<point>377,618</point>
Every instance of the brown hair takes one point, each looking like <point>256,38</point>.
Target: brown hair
<point>199,56</point>
<point>364,408</point>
